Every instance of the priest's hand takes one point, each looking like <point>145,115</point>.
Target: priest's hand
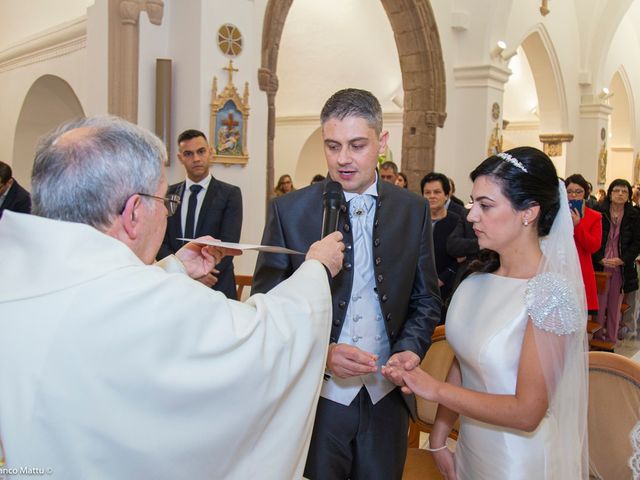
<point>329,252</point>
<point>199,260</point>
<point>346,361</point>
<point>397,364</point>
<point>210,279</point>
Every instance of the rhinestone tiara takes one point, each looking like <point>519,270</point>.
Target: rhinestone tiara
<point>512,160</point>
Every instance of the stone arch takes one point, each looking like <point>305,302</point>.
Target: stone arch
<point>49,102</point>
<point>547,75</point>
<point>423,79</point>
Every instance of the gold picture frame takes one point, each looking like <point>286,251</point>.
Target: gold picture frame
<point>229,115</point>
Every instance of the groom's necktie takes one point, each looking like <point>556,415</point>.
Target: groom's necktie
<point>359,207</point>
<point>189,227</point>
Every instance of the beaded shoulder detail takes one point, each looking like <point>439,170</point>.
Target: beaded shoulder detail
<point>634,461</point>
<point>553,305</point>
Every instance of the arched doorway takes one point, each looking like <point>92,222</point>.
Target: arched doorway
<point>423,79</point>
<point>620,143</point>
<point>536,95</point>
<point>311,160</point>
<point>49,102</point>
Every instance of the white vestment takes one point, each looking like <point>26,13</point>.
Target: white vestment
<point>112,369</point>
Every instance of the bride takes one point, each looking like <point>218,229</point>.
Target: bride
<point>517,326</point>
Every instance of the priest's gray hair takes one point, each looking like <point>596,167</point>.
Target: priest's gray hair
<point>353,102</point>
<point>85,170</point>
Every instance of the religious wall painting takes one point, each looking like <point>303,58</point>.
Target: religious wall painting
<point>228,122</point>
<point>228,138</point>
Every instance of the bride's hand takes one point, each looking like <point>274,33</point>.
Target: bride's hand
<point>446,463</point>
<point>419,382</point>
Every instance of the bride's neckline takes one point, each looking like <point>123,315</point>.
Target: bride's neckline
<point>509,278</point>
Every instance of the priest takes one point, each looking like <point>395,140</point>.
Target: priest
<point>112,367</point>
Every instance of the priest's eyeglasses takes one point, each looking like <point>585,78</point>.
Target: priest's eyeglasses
<point>171,202</point>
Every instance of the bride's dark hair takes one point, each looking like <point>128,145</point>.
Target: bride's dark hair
<point>538,185</point>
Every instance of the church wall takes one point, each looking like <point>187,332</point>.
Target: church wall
<point>622,54</point>
<point>247,16</point>
<point>620,164</point>
<point>96,68</point>
<point>74,50</point>
<point>292,135</point>
<point>21,19</point>
<point>558,89</point>
<point>188,36</point>
<point>448,159</point>
<point>468,30</point>
<point>15,84</point>
<point>154,43</point>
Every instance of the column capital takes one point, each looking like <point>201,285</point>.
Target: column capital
<point>267,81</point>
<point>552,142</point>
<point>596,110</point>
<point>130,11</point>
<point>488,76</point>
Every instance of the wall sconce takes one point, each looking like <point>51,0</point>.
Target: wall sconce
<point>498,49</point>
<point>605,94</point>
<point>398,99</point>
<point>509,54</point>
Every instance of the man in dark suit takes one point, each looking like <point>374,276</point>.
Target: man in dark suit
<point>208,207</point>
<point>12,196</point>
<point>385,300</point>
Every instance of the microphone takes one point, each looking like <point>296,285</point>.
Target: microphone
<point>332,201</point>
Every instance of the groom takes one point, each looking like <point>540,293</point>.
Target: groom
<point>385,300</point>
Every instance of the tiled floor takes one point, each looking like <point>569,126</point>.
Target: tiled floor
<point>629,348</point>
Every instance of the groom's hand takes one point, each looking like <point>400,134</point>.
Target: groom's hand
<point>399,362</point>
<point>346,361</point>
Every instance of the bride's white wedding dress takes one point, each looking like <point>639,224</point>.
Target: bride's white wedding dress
<point>485,326</point>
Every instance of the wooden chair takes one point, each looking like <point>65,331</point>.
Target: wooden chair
<point>241,282</point>
<point>614,409</point>
<point>420,463</point>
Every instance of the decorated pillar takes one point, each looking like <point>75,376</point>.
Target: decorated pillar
<point>124,30</point>
<point>478,110</point>
<point>593,154</point>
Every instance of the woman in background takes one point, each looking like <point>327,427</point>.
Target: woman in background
<point>617,255</point>
<point>587,233</point>
<point>285,185</point>
<point>436,188</point>
<point>402,181</point>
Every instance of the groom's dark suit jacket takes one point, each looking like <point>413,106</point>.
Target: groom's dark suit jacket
<point>403,263</point>
<point>220,216</point>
